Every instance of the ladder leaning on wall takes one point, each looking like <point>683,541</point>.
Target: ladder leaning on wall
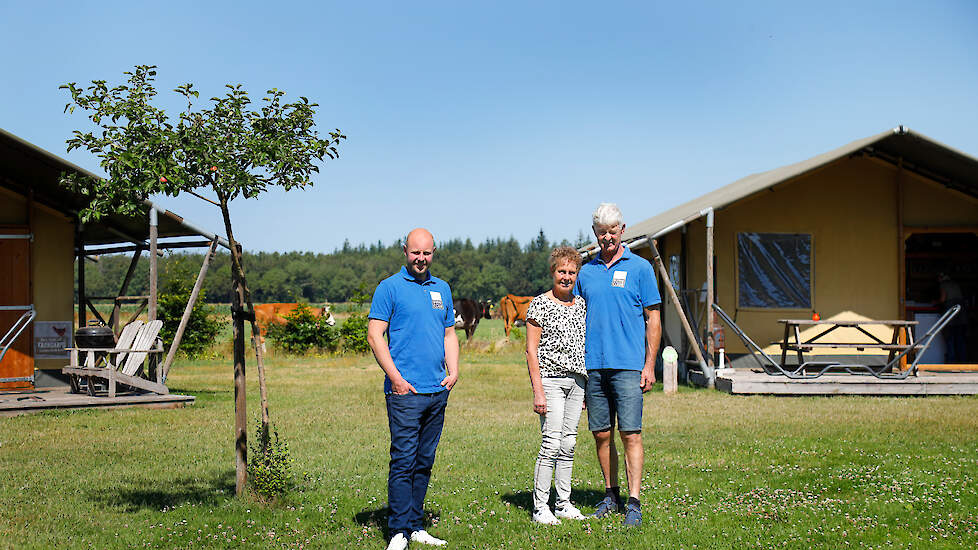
<point>15,331</point>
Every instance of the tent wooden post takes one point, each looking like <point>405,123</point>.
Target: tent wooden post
<point>80,254</point>
<point>175,345</point>
<point>711,340</point>
<point>901,244</point>
<point>153,262</point>
<point>901,256</point>
<point>657,260</point>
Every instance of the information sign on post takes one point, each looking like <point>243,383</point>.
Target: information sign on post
<point>51,338</point>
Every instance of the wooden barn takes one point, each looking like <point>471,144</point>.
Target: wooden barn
<point>42,243</point>
<point>860,232</point>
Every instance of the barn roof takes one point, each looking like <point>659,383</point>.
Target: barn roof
<point>25,166</point>
<point>918,153</point>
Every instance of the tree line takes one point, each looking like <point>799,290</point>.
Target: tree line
<point>486,271</point>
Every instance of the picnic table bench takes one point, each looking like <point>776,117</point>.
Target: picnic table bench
<point>902,339</point>
<point>897,351</point>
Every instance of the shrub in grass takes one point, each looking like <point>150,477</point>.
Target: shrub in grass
<point>203,326</point>
<point>303,332</point>
<point>269,465</point>
<point>354,333</point>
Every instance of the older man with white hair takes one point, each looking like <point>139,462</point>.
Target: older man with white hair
<point>622,339</point>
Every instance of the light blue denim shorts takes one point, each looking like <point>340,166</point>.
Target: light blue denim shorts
<point>614,392</point>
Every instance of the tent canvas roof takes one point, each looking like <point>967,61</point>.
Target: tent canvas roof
<point>25,166</point>
<point>919,153</point>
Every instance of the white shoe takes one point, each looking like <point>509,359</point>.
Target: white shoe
<point>545,517</point>
<point>398,542</point>
<point>569,511</point>
<point>425,537</point>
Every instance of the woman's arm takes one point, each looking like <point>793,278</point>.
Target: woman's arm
<point>533,331</point>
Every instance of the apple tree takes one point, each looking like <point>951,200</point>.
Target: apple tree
<point>227,148</point>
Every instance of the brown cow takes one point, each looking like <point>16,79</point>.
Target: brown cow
<point>513,309</point>
<point>267,315</point>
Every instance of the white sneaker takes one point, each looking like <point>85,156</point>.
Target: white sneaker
<point>569,511</point>
<point>398,542</point>
<point>425,537</point>
<point>545,517</point>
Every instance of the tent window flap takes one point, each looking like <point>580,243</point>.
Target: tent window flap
<point>774,270</point>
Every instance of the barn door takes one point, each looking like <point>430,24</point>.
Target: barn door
<point>17,365</point>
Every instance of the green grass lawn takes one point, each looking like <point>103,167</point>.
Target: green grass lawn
<point>721,471</point>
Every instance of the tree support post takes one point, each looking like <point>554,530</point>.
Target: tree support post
<point>707,369</point>
<point>175,345</point>
<point>260,361</point>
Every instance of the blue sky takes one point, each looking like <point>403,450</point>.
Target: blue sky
<point>498,119</point>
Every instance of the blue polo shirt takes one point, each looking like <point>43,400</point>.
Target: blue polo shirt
<point>616,294</point>
<point>418,314</point>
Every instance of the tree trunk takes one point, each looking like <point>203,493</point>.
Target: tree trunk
<point>238,312</point>
<point>240,388</point>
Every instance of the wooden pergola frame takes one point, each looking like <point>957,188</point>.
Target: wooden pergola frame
<point>149,301</point>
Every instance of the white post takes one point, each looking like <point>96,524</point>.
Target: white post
<point>670,367</point>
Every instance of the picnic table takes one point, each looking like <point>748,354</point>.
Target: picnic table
<point>792,340</point>
<point>898,350</point>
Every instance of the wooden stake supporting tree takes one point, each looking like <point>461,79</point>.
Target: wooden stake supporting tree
<point>229,149</point>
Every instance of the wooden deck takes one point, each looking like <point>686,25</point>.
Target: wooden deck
<point>745,381</point>
<point>46,399</point>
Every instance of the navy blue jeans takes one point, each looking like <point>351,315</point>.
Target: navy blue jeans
<point>415,420</point>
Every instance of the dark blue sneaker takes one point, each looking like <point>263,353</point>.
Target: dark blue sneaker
<point>633,515</point>
<point>608,505</point>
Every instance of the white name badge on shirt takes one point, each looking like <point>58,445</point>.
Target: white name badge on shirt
<point>436,302</point>
<point>618,279</point>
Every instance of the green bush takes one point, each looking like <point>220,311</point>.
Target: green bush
<point>354,333</point>
<point>203,326</point>
<point>303,332</point>
<point>269,465</point>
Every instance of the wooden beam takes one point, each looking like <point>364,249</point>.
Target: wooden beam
<point>125,286</point>
<point>94,311</point>
<point>657,261</point>
<point>901,255</point>
<point>139,310</point>
<point>80,254</point>
<point>161,246</point>
<point>711,341</point>
<point>153,264</point>
<point>911,230</point>
<point>175,345</point>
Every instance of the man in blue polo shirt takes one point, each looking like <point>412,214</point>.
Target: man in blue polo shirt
<point>621,342</point>
<point>420,359</point>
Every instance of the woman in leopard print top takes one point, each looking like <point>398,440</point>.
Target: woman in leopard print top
<point>555,360</point>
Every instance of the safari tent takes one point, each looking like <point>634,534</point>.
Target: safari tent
<point>40,240</point>
<point>859,232</point>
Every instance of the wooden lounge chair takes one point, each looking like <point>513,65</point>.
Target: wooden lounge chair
<point>138,345</point>
<point>97,357</point>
